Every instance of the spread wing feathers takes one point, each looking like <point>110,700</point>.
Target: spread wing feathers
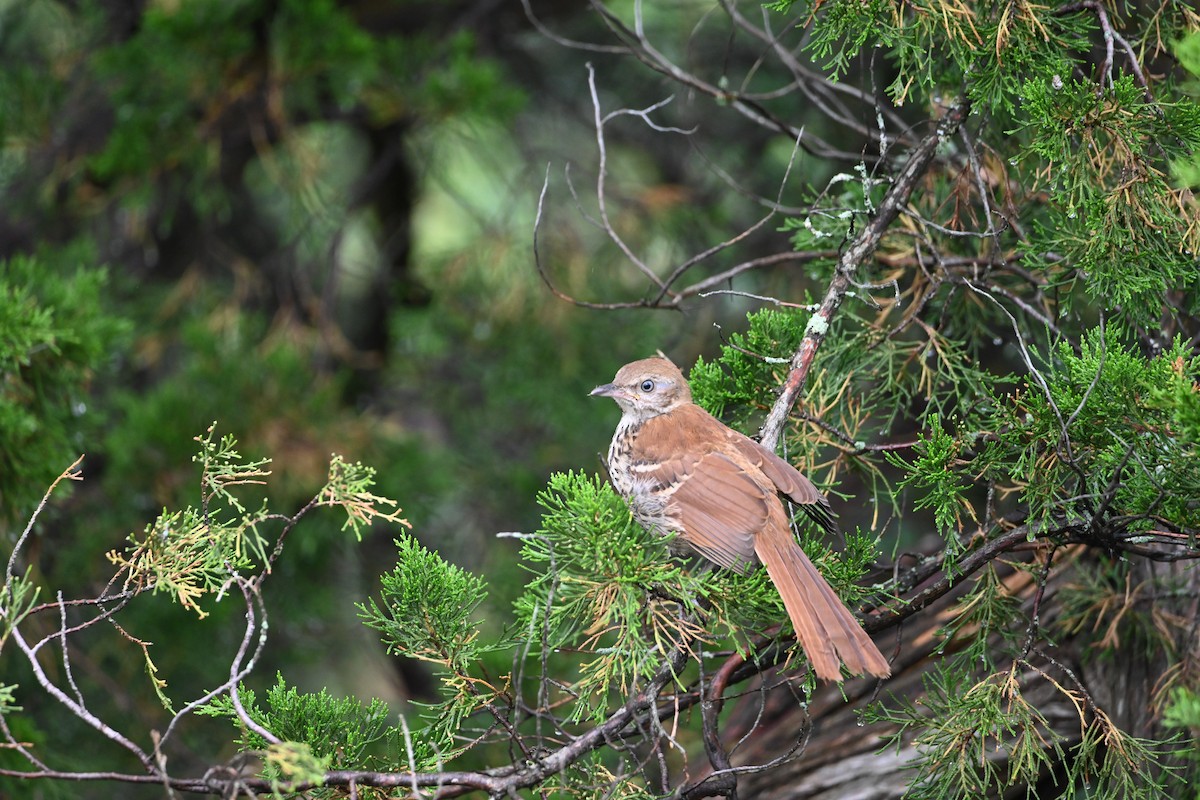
<point>720,508</point>
<point>787,480</point>
<point>828,632</point>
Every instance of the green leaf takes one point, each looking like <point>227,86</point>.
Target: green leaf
<point>426,608</point>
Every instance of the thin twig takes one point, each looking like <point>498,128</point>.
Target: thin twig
<point>70,473</point>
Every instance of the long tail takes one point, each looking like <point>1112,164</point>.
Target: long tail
<point>829,633</point>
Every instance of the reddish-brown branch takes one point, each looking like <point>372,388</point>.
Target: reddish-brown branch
<point>848,265</point>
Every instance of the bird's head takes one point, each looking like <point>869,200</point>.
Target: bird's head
<point>647,388</point>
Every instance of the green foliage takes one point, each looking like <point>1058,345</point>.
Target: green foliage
<point>1100,149</point>
<point>843,568</point>
<point>977,738</point>
<point>17,597</point>
<point>7,698</point>
<point>936,473</point>
<point>182,554</point>
<point>1182,714</point>
<point>958,729</point>
<point>1113,216</point>
<point>861,380</point>
<point>984,626</point>
<point>845,31</point>
<point>339,732</point>
<point>945,45</point>
<point>318,55</point>
<point>1069,122</point>
<point>591,777</point>
<point>1183,710</point>
<point>834,214</point>
<point>349,488</point>
<point>1113,615</point>
<point>194,553</point>
<point>1110,762</point>
<point>56,337</point>
<point>222,467</point>
<point>197,555</point>
<point>1186,168</point>
<point>426,607</point>
<point>1106,432</point>
<point>191,553</point>
<point>861,387</point>
<point>492,365</point>
<point>604,584</point>
<point>602,588</point>
<point>1187,50</point>
<point>468,84</point>
<point>218,362</point>
<point>182,97</point>
<point>426,611</point>
<point>1051,203</point>
<point>324,56</point>
<point>289,763</point>
<point>158,77</point>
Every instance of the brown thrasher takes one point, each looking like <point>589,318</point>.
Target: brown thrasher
<point>683,471</point>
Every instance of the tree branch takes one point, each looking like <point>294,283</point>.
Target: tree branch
<point>848,265</point>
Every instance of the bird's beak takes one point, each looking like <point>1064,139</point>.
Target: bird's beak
<point>607,390</point>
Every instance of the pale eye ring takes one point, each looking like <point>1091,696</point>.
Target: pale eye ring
<point>647,385</point>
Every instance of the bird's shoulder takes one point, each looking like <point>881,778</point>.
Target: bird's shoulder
<point>686,429</point>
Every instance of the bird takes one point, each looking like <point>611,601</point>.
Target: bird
<point>683,471</point>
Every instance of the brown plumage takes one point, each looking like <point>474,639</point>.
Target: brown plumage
<point>684,471</point>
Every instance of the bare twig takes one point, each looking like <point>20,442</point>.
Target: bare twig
<point>239,667</point>
<point>642,49</point>
<point>574,44</point>
<point>70,473</point>
<point>818,88</point>
<point>76,708</point>
<point>602,176</point>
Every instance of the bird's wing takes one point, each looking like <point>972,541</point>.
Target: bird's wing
<point>787,480</point>
<point>718,506</point>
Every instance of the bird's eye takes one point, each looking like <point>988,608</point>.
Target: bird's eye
<point>647,385</point>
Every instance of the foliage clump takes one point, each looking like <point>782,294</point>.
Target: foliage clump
<point>338,732</point>
<point>978,738</point>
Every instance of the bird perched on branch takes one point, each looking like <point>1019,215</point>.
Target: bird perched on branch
<point>683,471</point>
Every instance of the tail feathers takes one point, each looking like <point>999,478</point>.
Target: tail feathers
<point>829,633</point>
